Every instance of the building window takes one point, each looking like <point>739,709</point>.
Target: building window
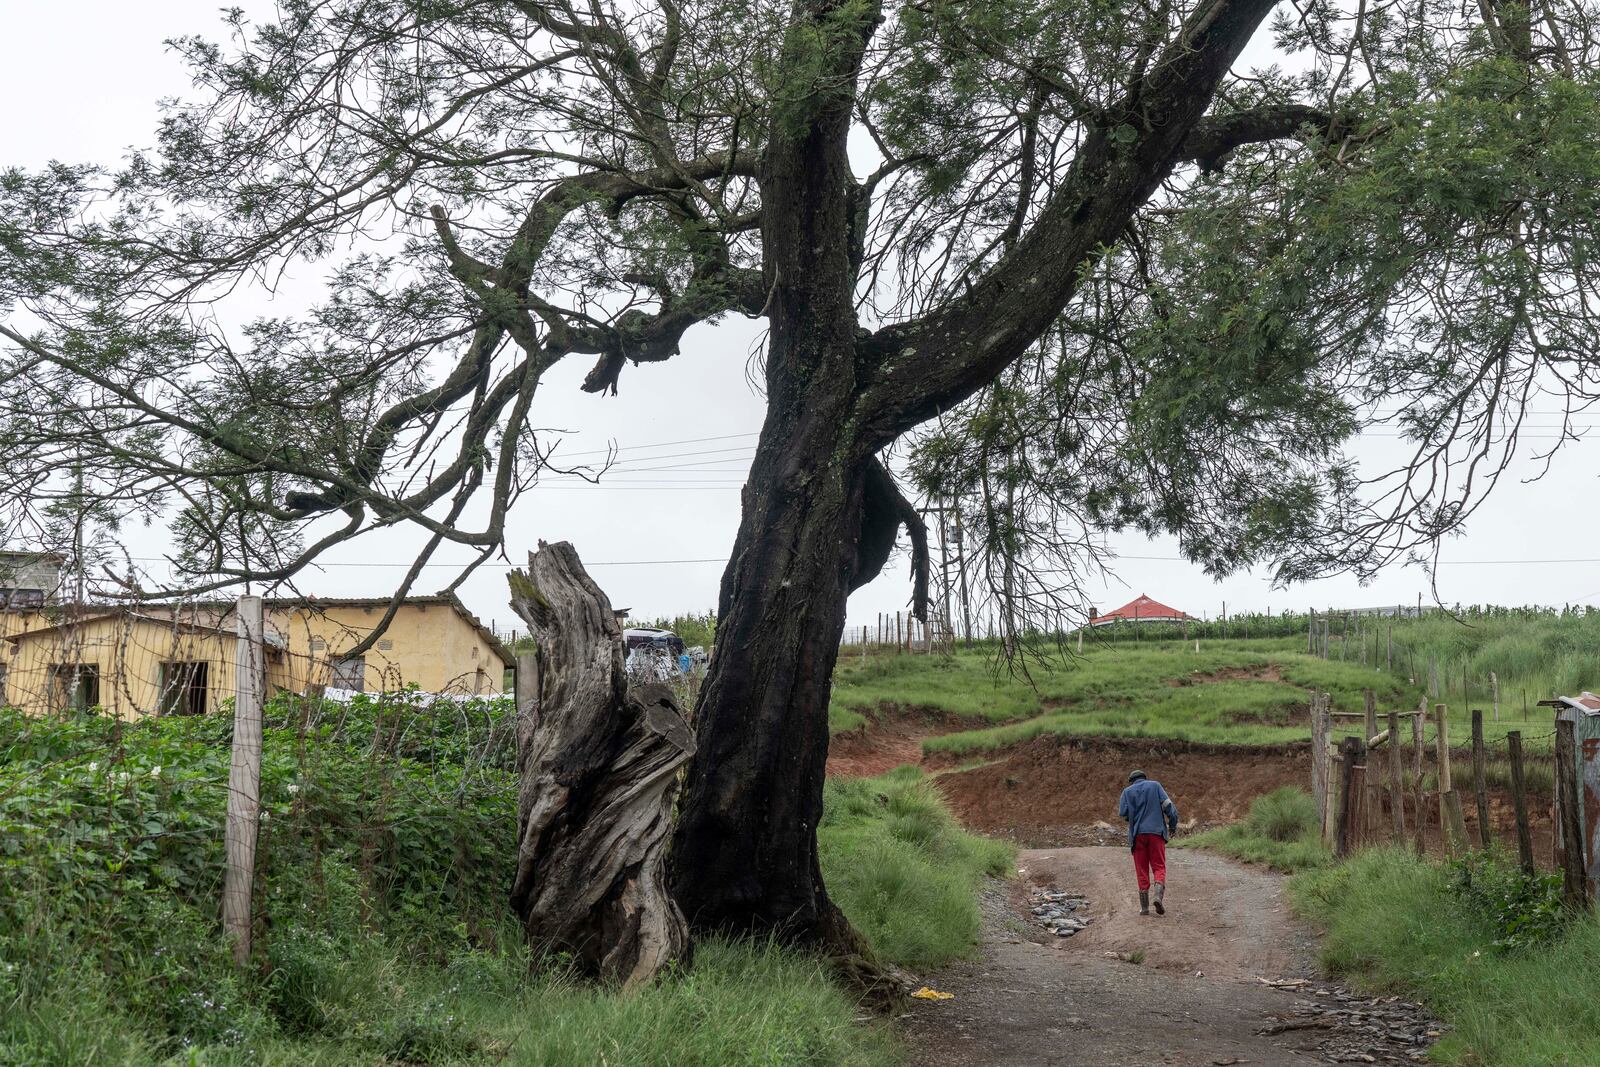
<point>350,673</point>
<point>13,599</point>
<point>184,688</point>
<point>3,685</point>
<point>385,645</point>
<point>318,644</point>
<point>74,686</point>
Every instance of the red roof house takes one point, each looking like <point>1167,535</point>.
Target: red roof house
<point>1140,609</point>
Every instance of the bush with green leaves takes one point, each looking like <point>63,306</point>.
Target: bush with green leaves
<point>1523,910</point>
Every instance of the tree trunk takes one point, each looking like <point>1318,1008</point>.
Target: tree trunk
<point>819,518</point>
<point>597,769</point>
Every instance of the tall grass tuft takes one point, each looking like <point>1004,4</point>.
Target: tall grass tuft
<point>902,869</point>
<point>1282,831</point>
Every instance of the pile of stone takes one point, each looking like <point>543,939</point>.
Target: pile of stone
<point>1345,1027</point>
<point>1057,911</point>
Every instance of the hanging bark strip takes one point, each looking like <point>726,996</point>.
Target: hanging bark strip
<point>597,767</point>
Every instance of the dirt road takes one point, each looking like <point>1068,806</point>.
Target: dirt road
<point>1194,999</point>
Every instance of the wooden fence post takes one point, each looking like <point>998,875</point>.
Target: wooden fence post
<point>1451,824</point>
<point>1351,771</point>
<point>1520,803</point>
<point>1332,775</point>
<point>1418,722</point>
<point>1371,804</point>
<point>1480,788</point>
<point>1397,791</point>
<point>244,778</point>
<point>1569,835</point>
<point>1319,751</point>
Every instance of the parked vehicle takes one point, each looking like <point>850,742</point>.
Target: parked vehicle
<point>649,637</point>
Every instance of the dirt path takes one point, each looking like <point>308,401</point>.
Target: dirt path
<point>1195,998</point>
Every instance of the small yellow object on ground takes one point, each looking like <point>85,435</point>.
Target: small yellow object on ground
<point>932,994</point>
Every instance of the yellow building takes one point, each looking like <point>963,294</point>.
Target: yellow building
<point>181,659</point>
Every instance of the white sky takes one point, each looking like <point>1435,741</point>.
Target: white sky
<point>80,82</point>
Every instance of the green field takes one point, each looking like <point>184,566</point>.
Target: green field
<point>1231,691</point>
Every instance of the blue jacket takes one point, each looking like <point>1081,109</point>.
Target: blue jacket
<point>1148,810</point>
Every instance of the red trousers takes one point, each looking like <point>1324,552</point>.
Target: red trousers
<point>1149,860</point>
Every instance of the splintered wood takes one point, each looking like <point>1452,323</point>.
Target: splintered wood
<point>597,766</point>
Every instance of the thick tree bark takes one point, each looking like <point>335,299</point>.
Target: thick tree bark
<point>597,769</point>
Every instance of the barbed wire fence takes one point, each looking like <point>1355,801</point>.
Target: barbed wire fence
<point>1402,778</point>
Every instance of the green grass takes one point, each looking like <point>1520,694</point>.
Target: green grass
<point>898,864</point>
<point>385,935</point>
<point>1232,691</point>
<point>1395,924</point>
<point>1281,832</point>
<point>350,1002</point>
<point>966,684</point>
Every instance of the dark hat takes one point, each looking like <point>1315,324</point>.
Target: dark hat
<point>1136,775</point>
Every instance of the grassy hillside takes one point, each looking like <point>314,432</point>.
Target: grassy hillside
<point>384,935</point>
<point>1236,691</point>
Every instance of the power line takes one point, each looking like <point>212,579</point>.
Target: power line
<point>486,566</point>
<point>663,444</point>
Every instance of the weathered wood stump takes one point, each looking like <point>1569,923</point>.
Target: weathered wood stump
<point>597,768</point>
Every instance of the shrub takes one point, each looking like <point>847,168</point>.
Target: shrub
<point>1522,910</point>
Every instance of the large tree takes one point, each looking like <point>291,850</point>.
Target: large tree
<point>1099,272</point>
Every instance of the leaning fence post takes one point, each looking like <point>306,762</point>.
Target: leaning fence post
<point>1519,803</point>
<point>244,778</point>
<point>1480,788</point>
<point>1397,790</point>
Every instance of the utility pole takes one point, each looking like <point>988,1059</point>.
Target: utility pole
<point>961,575</point>
<point>944,565</point>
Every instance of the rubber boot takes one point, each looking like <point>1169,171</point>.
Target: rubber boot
<point>1144,902</point>
<point>1160,888</point>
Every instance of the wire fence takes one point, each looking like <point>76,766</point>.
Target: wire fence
<point>1385,778</point>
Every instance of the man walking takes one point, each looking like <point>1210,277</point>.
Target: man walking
<point>1151,816</point>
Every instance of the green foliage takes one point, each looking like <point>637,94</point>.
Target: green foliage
<point>1523,910</point>
<point>1396,924</point>
<point>902,869</point>
<point>1282,831</point>
<point>383,932</point>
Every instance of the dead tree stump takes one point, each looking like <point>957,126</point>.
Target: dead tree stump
<point>597,768</point>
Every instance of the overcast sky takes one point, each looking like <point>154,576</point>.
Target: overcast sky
<point>80,82</point>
